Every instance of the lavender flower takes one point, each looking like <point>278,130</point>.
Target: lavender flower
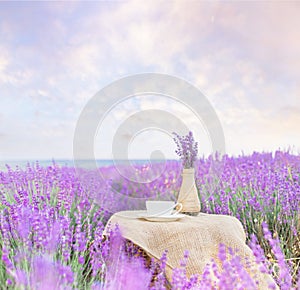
<point>53,219</point>
<point>123,273</point>
<point>187,149</point>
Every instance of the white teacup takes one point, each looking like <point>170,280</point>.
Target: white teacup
<point>162,207</point>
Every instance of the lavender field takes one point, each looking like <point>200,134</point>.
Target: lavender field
<point>52,219</point>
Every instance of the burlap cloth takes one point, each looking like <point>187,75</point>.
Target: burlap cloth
<point>200,235</point>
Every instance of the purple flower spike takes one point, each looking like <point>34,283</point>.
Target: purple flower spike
<point>187,149</point>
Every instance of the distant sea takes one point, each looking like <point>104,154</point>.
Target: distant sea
<point>64,162</point>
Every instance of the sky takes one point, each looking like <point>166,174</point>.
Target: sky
<point>55,56</point>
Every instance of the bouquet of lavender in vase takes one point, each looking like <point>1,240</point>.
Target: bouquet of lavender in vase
<point>187,150</point>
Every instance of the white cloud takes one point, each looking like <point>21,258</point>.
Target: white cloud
<point>242,56</point>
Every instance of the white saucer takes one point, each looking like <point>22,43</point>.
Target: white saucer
<point>162,218</point>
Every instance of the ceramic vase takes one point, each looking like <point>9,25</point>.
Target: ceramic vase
<point>188,194</point>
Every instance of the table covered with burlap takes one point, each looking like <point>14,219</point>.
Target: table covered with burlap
<point>201,235</point>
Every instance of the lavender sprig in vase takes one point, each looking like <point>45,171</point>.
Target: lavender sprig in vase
<point>187,150</point>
